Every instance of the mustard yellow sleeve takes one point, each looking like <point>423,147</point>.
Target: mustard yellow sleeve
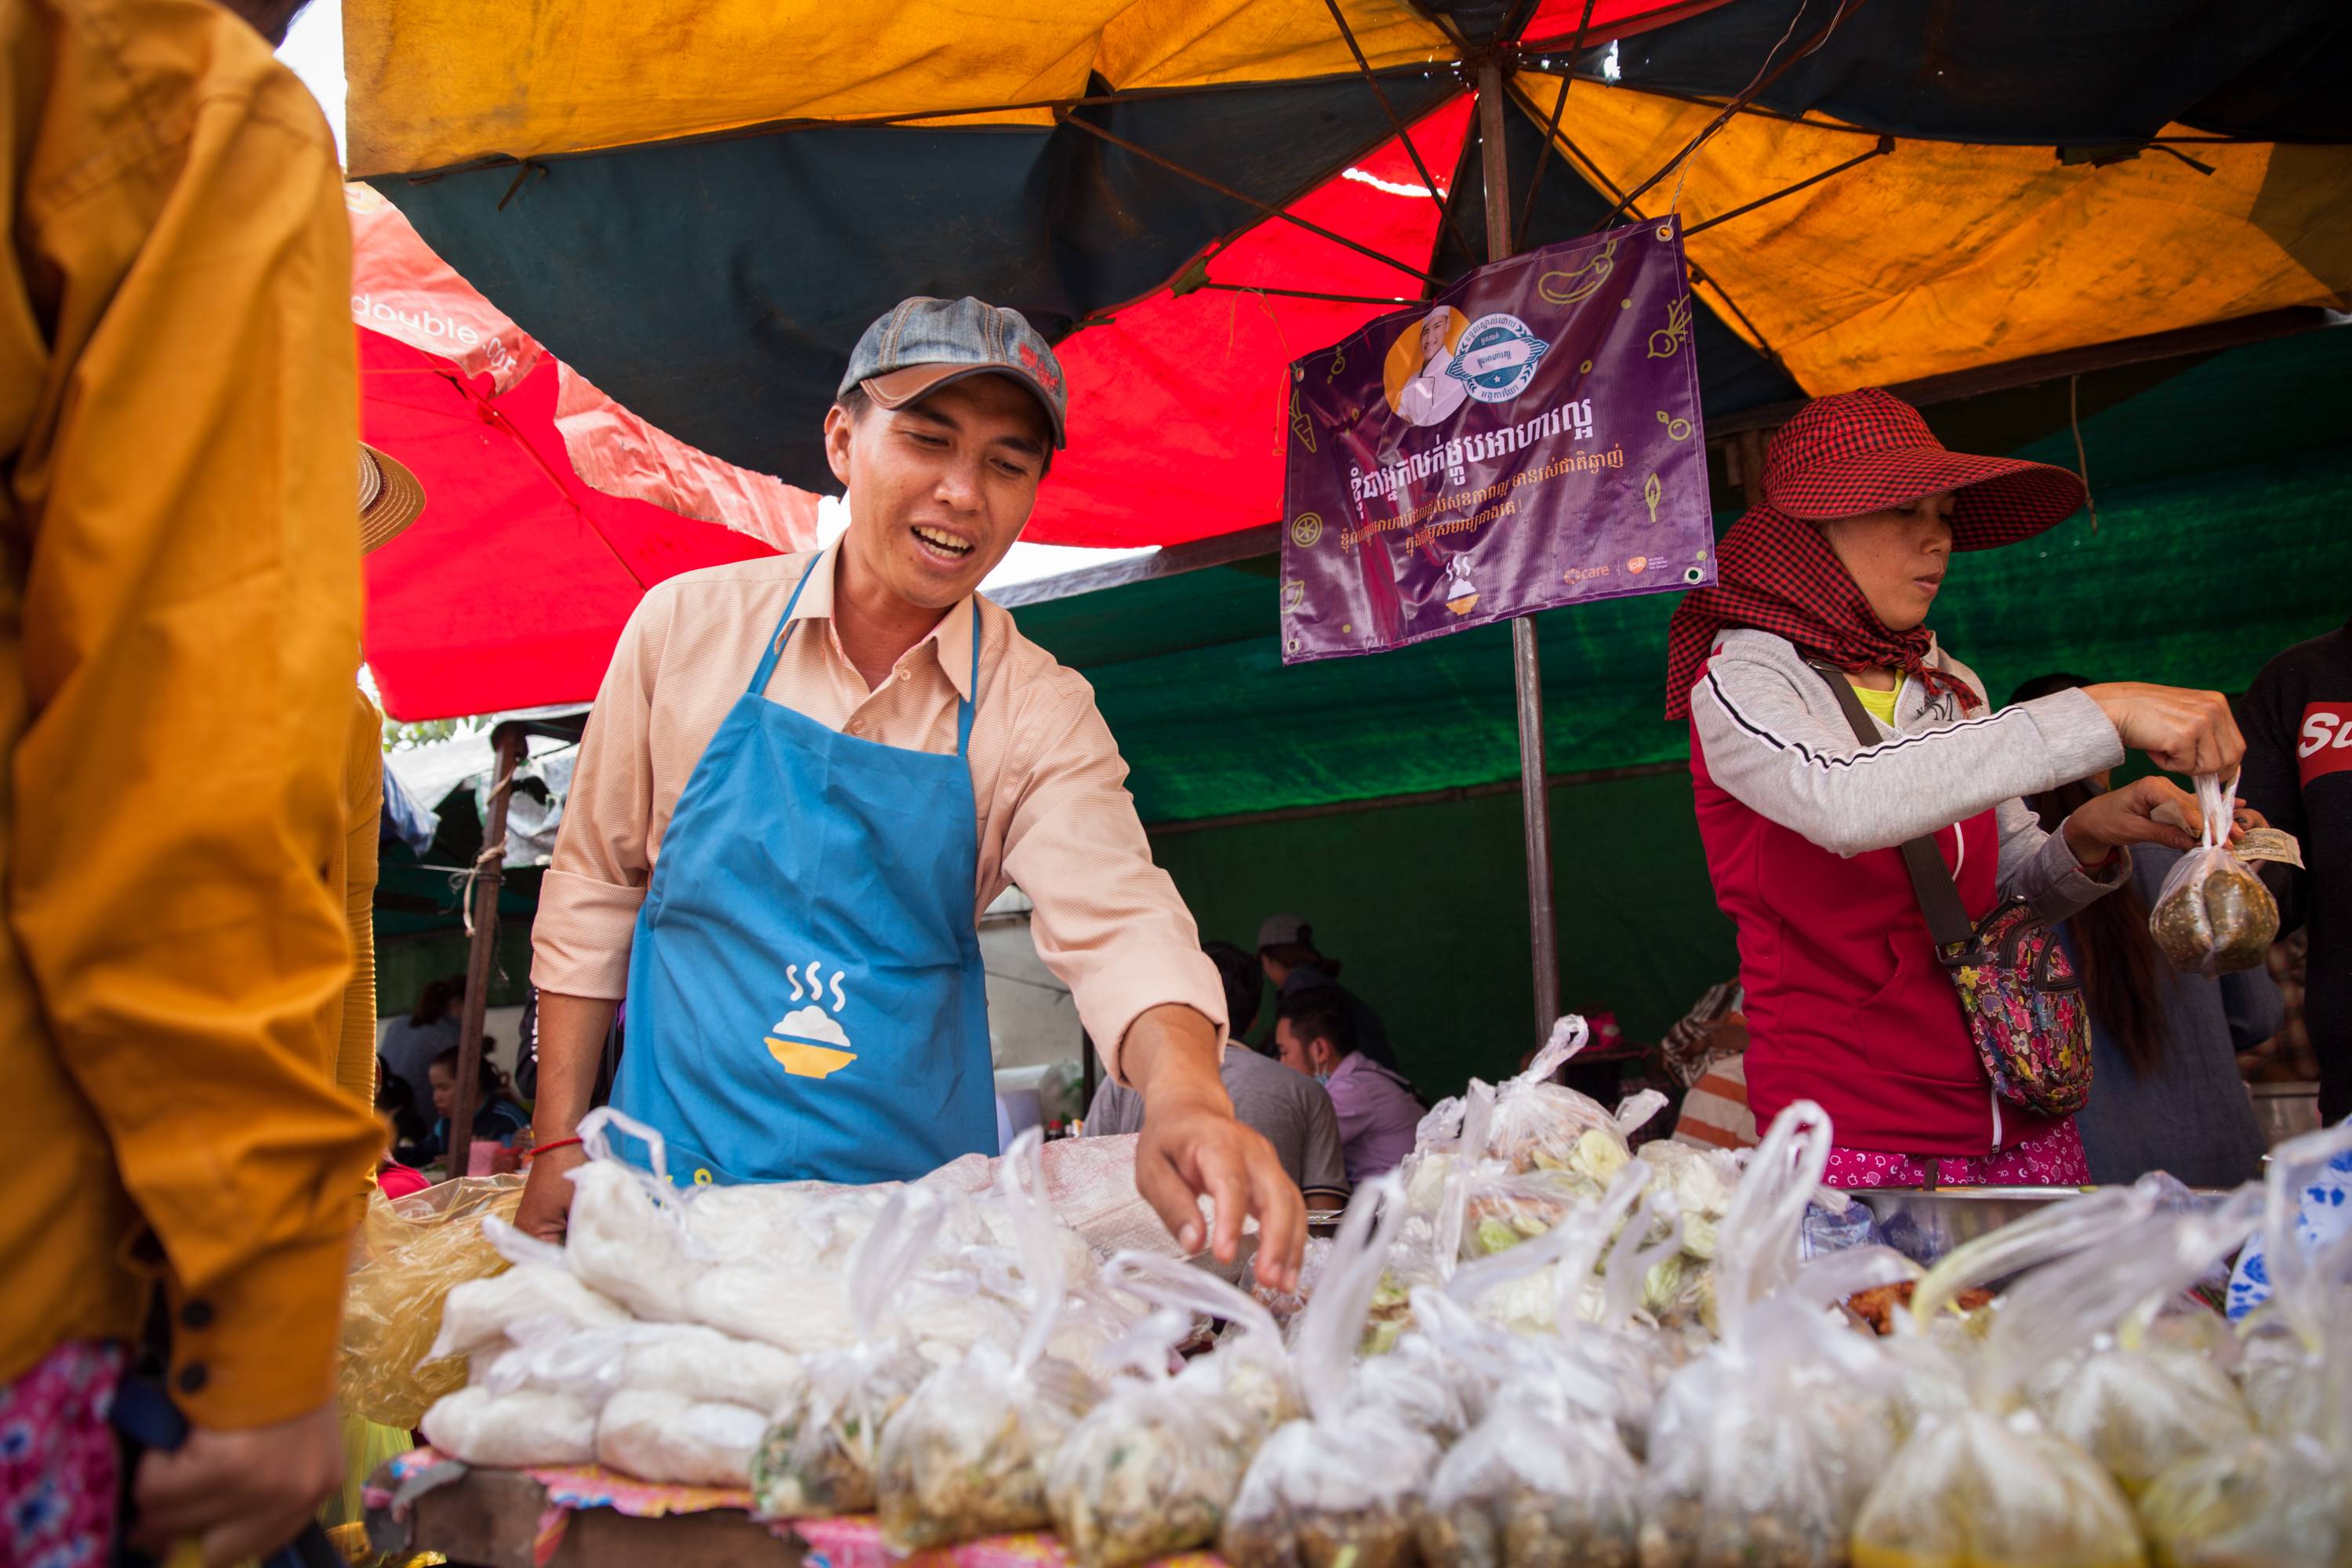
<point>363,807</point>
<point>190,632</point>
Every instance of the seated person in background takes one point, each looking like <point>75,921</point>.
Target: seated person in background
<point>1293,1113</point>
<point>1314,1032</point>
<point>497,1116</point>
<point>1286,948</point>
<point>412,1135</point>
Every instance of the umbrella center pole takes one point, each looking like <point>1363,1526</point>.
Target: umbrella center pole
<point>1527,660</point>
<point>481,956</point>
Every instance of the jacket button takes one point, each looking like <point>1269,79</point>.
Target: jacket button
<point>196,1315</point>
<point>194,1376</point>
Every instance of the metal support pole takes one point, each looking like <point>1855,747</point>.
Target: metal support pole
<point>1525,661</point>
<point>481,958</point>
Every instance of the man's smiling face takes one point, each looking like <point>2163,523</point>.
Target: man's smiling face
<point>939,489</point>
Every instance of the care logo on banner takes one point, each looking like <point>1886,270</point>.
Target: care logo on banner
<point>1529,437</point>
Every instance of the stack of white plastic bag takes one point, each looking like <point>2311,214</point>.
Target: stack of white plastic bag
<point>2281,1496</point>
<point>1153,1469</point>
<point>1343,1487</point>
<point>1763,1447</point>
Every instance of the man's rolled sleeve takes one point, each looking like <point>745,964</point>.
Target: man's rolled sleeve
<point>604,858</point>
<point>1107,920</point>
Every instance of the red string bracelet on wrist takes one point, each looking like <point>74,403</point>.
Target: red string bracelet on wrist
<point>554,1144</point>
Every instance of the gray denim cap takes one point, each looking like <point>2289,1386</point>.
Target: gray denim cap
<point>924,343</point>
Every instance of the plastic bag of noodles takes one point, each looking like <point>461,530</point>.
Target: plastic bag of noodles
<point>1992,1483</point>
<point>817,1457</point>
<point>966,1456</point>
<point>1343,1487</point>
<point>1762,1448</point>
<point>1154,1467</point>
<point>2213,915</point>
<point>2144,1400</point>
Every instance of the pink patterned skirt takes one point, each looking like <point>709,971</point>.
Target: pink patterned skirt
<point>60,1469</point>
<point>2049,1159</point>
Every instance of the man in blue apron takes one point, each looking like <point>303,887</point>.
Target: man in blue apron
<point>804,777</point>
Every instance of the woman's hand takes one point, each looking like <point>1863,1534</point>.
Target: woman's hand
<point>2146,811</point>
<point>2185,731</point>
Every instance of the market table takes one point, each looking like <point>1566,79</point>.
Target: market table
<point>584,1516</point>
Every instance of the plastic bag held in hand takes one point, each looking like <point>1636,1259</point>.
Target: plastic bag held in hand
<point>966,1456</point>
<point>1343,1488</point>
<point>2213,915</point>
<point>1154,1467</point>
<point>1762,1449</point>
<point>817,1459</point>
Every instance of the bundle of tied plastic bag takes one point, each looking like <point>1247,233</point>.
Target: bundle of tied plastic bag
<point>1762,1448</point>
<point>817,1459</point>
<point>420,1248</point>
<point>1343,1487</point>
<point>1539,1125</point>
<point>1990,1482</point>
<point>965,1457</point>
<point>2283,1495</point>
<point>1154,1468</point>
<point>2213,915</point>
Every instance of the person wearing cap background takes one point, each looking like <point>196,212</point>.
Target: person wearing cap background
<point>803,780</point>
<point>1285,949</point>
<point>1847,1004</point>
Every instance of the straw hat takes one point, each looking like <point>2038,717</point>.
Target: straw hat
<point>390,498</point>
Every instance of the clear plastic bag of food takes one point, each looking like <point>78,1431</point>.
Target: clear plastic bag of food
<point>513,1430</point>
<point>817,1457</point>
<point>966,1456</point>
<point>1342,1489</point>
<point>672,1440</point>
<point>2291,1340</point>
<point>2213,915</point>
<point>422,1247</point>
<point>1993,1485</point>
<point>2262,1501</point>
<point>1762,1448</point>
<point>1153,1468</point>
<point>1539,1125</point>
<point>1535,1485</point>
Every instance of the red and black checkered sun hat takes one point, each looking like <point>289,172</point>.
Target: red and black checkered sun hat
<point>1869,450</point>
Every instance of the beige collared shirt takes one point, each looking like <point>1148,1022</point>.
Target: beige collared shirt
<point>1048,785</point>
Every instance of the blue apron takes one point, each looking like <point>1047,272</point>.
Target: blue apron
<point>806,1000</point>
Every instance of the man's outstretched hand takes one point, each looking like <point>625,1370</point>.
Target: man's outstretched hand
<point>1191,1146</point>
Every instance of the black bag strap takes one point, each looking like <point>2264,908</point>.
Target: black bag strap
<point>1931,880</point>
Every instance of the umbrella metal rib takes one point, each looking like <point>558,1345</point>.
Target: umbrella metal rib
<point>1428,182</point>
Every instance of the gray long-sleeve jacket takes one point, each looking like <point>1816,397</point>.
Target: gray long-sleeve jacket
<point>1776,740</point>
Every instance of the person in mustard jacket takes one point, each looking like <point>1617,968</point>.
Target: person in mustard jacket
<point>179,607</point>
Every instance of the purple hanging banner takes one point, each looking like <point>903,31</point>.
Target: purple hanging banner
<point>1529,437</point>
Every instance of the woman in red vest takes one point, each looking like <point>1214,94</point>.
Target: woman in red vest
<point>1847,1004</point>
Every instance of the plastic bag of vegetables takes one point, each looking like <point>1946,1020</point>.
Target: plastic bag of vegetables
<point>1762,1448</point>
<point>2139,1404</point>
<point>1539,1125</point>
<point>966,1456</point>
<point>1992,1483</point>
<point>2213,915</point>
<point>817,1457</point>
<point>1154,1467</point>
<point>1343,1488</point>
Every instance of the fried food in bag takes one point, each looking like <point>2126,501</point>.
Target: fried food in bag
<point>965,1457</point>
<point>1762,1448</point>
<point>817,1457</point>
<point>1342,1489</point>
<point>2213,915</point>
<point>1154,1467</point>
<point>1993,1486</point>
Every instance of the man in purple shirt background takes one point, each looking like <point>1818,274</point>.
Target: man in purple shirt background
<point>1314,1033</point>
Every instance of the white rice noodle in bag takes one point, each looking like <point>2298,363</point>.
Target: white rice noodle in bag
<point>1342,1489</point>
<point>626,1236</point>
<point>1761,1449</point>
<point>674,1441</point>
<point>478,1312</point>
<point>510,1431</point>
<point>966,1456</point>
<point>817,1457</point>
<point>1154,1467</point>
<point>1991,1485</point>
<point>687,1360</point>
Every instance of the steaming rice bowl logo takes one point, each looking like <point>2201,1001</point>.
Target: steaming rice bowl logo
<point>1496,358</point>
<point>809,1042</point>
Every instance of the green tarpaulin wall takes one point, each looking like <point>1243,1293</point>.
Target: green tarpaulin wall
<point>2223,490</point>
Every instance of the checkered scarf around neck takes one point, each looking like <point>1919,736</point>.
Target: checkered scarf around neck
<point>1774,573</point>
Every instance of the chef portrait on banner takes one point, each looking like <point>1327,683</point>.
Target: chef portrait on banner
<point>1419,388</point>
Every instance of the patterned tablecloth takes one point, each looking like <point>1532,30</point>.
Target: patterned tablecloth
<point>855,1543</point>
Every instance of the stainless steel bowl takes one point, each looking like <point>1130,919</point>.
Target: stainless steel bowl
<point>1924,1224</point>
